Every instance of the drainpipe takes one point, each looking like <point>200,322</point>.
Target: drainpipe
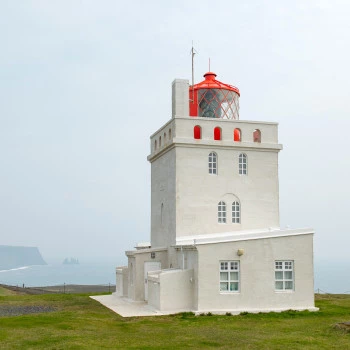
<point>183,258</point>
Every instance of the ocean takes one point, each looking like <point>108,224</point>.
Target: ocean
<point>329,277</point>
<point>58,274</point>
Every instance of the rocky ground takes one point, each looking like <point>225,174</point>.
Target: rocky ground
<point>12,310</point>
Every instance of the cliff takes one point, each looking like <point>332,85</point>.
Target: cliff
<point>12,257</point>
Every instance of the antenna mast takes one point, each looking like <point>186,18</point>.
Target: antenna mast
<point>192,54</point>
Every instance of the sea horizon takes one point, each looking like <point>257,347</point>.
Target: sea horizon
<point>328,278</point>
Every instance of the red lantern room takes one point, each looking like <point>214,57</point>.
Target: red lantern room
<point>213,99</point>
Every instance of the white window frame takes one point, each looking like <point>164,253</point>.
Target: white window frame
<point>213,163</point>
<point>222,212</point>
<point>243,164</point>
<point>284,276</point>
<point>229,276</point>
<point>236,212</point>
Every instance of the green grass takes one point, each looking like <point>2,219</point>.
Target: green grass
<point>79,322</point>
<point>4,291</point>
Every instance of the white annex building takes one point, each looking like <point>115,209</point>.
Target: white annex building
<point>216,242</point>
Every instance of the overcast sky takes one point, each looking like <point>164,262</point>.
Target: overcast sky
<point>83,84</point>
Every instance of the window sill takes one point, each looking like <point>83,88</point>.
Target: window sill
<point>284,291</point>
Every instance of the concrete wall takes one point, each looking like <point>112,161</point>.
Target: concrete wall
<point>184,130</point>
<point>190,195</point>
<point>163,200</point>
<point>198,192</point>
<point>122,278</point>
<point>180,99</point>
<point>257,274</point>
<point>136,261</point>
<point>154,291</point>
<point>187,258</point>
<point>171,290</point>
<point>176,290</point>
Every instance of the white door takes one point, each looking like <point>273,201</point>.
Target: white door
<point>150,266</point>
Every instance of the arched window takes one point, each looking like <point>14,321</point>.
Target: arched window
<point>257,135</point>
<point>160,141</point>
<point>155,144</point>
<point>169,134</point>
<point>237,135</point>
<point>164,138</point>
<point>197,132</point>
<point>217,133</point>
<point>236,212</point>
<point>243,164</point>
<point>222,212</point>
<point>212,163</point>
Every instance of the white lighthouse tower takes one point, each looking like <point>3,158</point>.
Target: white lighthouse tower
<point>216,242</point>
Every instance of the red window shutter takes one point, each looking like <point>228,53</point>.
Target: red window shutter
<point>217,133</point>
<point>197,132</point>
<point>237,135</point>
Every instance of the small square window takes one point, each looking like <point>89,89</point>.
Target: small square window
<point>229,281</point>
<point>284,275</point>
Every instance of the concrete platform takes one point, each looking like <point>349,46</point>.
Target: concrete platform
<point>129,308</point>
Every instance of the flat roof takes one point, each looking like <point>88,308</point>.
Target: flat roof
<point>233,236</point>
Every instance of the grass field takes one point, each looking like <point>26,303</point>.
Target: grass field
<point>5,292</point>
<point>78,322</point>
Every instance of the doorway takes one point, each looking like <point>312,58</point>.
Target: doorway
<point>149,266</point>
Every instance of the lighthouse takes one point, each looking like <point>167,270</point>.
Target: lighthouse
<point>216,243</point>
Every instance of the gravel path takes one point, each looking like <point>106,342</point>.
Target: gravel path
<point>6,311</point>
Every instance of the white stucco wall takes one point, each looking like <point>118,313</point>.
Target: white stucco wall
<point>190,195</point>
<point>154,291</point>
<point>257,274</point>
<point>163,200</point>
<point>136,261</point>
<point>176,290</point>
<point>180,106</point>
<point>122,277</point>
<point>171,290</point>
<point>198,192</point>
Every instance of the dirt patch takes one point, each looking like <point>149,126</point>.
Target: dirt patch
<point>345,326</point>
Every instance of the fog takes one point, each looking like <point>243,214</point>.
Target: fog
<point>83,84</point>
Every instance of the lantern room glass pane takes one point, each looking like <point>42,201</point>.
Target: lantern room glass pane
<point>218,103</point>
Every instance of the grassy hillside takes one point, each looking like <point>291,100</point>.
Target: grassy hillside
<point>5,291</point>
<point>78,322</point>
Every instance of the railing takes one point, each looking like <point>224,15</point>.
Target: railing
<point>62,288</point>
<point>320,291</point>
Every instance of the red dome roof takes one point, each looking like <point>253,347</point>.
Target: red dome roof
<point>211,83</point>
